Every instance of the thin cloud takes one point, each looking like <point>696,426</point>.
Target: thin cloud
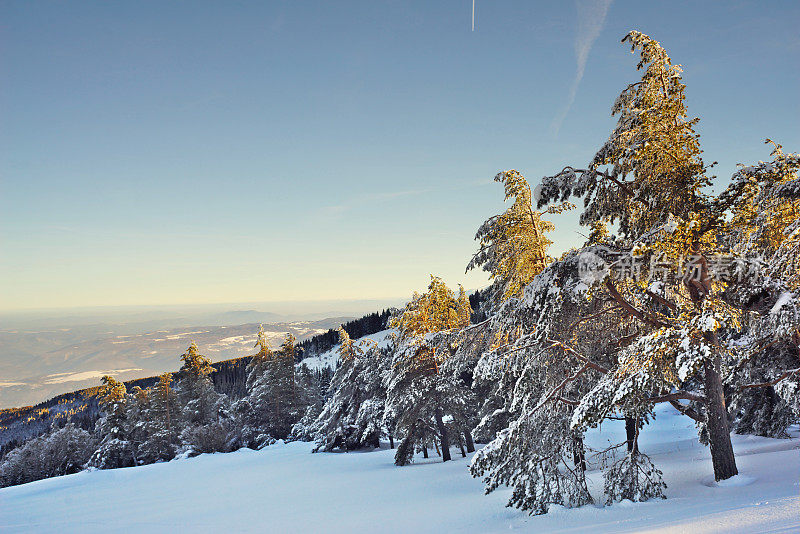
<point>591,19</point>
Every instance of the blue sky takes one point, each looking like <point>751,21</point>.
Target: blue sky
<point>191,152</point>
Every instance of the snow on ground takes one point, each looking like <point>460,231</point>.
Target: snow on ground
<point>284,488</point>
<point>330,357</point>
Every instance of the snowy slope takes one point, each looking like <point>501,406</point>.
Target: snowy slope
<point>330,357</point>
<point>284,488</point>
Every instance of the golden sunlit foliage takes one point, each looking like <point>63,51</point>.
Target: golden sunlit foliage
<point>654,144</point>
<point>196,364</point>
<point>436,310</point>
<point>513,245</point>
<point>766,211</point>
<point>346,349</point>
<point>111,392</point>
<point>264,351</point>
<point>433,311</point>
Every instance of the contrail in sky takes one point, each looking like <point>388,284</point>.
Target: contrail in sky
<point>473,15</point>
<point>591,18</point>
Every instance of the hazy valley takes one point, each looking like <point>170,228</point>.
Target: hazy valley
<point>38,364</point>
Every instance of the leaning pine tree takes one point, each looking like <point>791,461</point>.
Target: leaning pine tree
<point>613,328</point>
<point>514,244</point>
<point>536,369</point>
<point>667,259</point>
<point>542,352</point>
<point>649,178</point>
<point>513,250</point>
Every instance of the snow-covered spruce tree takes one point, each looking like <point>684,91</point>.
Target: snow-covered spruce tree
<point>115,449</point>
<point>199,402</point>
<point>60,451</point>
<point>353,414</point>
<point>310,393</point>
<point>252,423</point>
<point>335,424</point>
<point>419,395</point>
<point>372,366</point>
<point>273,395</point>
<point>204,414</point>
<point>137,416</point>
<point>160,422</point>
<point>258,361</point>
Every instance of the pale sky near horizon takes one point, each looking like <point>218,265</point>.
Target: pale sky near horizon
<point>194,152</point>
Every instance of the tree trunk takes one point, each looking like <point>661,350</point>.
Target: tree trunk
<point>391,441</point>
<point>719,433</point>
<point>578,455</point>
<point>632,434</point>
<point>424,451</point>
<point>443,435</point>
<point>470,442</point>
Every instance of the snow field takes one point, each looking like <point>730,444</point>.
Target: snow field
<point>285,488</point>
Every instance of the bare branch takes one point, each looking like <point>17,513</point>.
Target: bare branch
<point>671,305</point>
<point>590,317</point>
<point>630,308</point>
<point>561,386</point>
<point>622,185</point>
<point>783,376</point>
<point>581,357</point>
